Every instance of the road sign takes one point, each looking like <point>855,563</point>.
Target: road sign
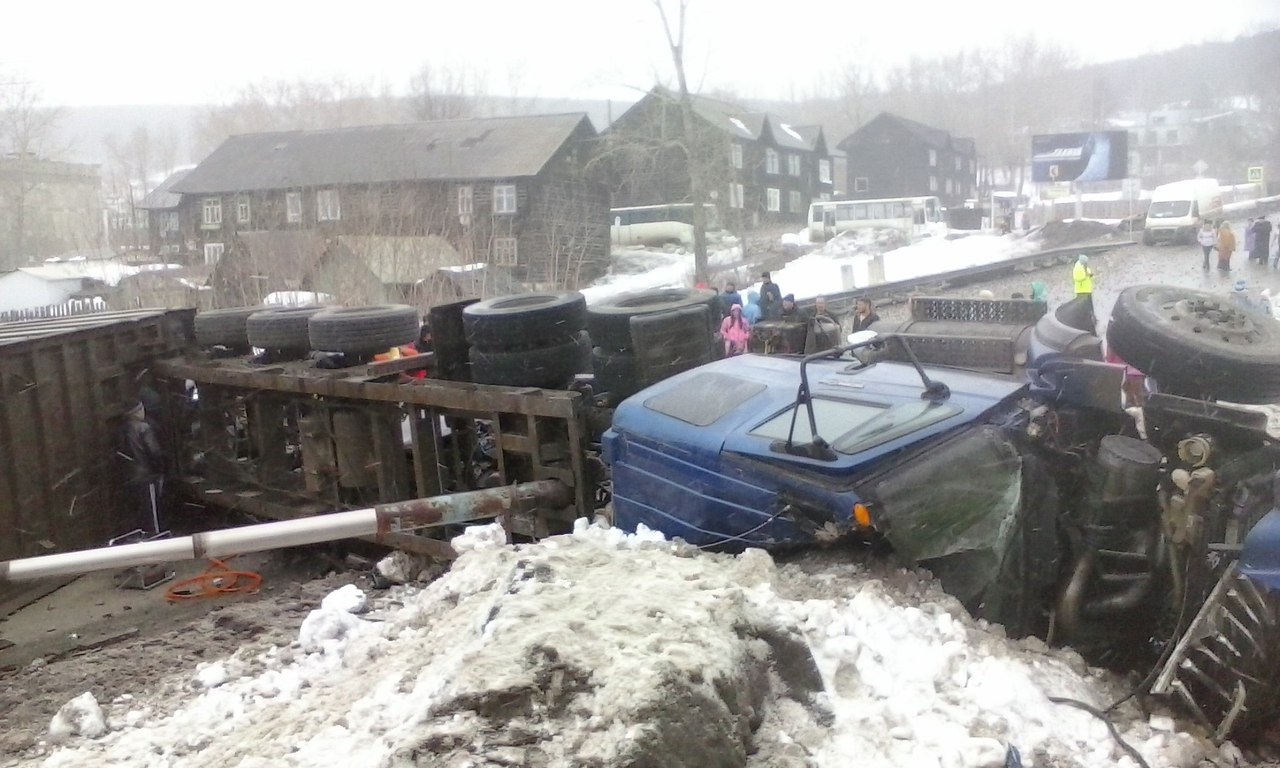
<point>1255,174</point>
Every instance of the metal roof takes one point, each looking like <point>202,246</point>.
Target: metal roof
<point>29,330</point>
<point>445,150</point>
<point>161,198</point>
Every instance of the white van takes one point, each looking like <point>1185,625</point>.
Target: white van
<point>656,225</point>
<point>1177,209</point>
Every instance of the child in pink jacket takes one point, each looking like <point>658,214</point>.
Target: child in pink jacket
<point>735,331</point>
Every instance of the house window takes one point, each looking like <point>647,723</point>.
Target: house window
<point>793,164</point>
<point>212,212</point>
<point>466,201</point>
<point>504,198</point>
<point>293,207</point>
<point>242,211</point>
<point>933,183</point>
<point>169,222</point>
<point>947,186</point>
<point>735,154</point>
<point>774,199</point>
<point>861,184</point>
<point>958,163</point>
<point>824,171</point>
<point>504,251</point>
<point>933,158</point>
<point>212,252</point>
<point>735,195</point>
<point>793,201</point>
<point>327,206</point>
<point>771,160</point>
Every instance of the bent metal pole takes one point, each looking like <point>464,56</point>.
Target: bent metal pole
<point>396,517</point>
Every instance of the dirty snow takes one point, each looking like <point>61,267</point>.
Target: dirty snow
<point>608,649</point>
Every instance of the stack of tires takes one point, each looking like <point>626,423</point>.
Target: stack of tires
<point>224,328</point>
<point>642,338</point>
<point>281,331</point>
<point>527,340</point>
<point>362,330</point>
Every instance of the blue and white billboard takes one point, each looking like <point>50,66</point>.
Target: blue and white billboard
<point>1095,156</point>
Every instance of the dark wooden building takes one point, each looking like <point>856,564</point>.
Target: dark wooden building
<point>513,192</point>
<point>170,234</point>
<point>892,156</point>
<point>755,166</point>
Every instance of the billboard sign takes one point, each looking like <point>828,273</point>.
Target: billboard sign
<point>1067,157</point>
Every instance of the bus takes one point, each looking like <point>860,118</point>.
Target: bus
<point>670,223</point>
<point>912,216</point>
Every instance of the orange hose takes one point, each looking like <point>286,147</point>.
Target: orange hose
<point>217,579</point>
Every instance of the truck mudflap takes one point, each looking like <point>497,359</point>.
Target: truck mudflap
<point>1225,668</point>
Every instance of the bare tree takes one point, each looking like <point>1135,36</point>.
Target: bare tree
<point>442,92</point>
<point>27,130</point>
<point>137,163</point>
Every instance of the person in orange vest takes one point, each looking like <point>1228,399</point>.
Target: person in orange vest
<point>1226,246</point>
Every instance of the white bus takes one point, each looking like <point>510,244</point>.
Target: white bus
<point>659,224</point>
<point>912,216</point>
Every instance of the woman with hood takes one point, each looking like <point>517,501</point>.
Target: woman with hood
<point>1226,245</point>
<point>752,311</point>
<point>735,331</point>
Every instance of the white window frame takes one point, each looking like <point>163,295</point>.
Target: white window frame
<point>773,199</point>
<point>504,198</point>
<point>213,252</point>
<point>771,160</point>
<point>794,201</point>
<point>933,158</point>
<point>170,221</point>
<point>959,163</point>
<point>933,183</point>
<point>861,184</point>
<point>212,211</point>
<point>506,252</point>
<point>735,155</point>
<point>328,205</point>
<point>242,211</point>
<point>824,170</point>
<point>466,200</point>
<point>293,207</point>
<point>793,164</point>
<point>735,195</point>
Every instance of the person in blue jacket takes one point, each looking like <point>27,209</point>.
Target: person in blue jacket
<point>751,312</point>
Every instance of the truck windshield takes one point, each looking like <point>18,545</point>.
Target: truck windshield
<point>1169,209</point>
<point>852,427</point>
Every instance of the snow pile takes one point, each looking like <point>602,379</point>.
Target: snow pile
<point>602,648</point>
<point>642,269</point>
<point>79,717</point>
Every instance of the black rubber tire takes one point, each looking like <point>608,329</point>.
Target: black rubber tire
<point>615,373</point>
<point>224,327</point>
<point>1197,344</point>
<point>363,330</point>
<point>281,328</point>
<point>512,323</point>
<point>1066,329</point>
<point>609,321</point>
<point>551,367</point>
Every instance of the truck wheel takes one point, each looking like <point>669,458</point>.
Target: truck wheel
<point>1197,344</point>
<point>1066,329</point>
<point>615,373</point>
<point>1147,238</point>
<point>225,327</point>
<point>547,367</point>
<point>362,330</point>
<point>609,321</point>
<point>281,328</point>
<point>510,323</point>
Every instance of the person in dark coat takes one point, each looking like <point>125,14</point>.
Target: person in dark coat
<point>790,311</point>
<point>144,469</point>
<point>729,298</point>
<point>864,315</point>
<point>1261,240</point>
<point>770,298</point>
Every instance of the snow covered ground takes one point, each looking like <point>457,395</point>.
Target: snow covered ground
<point>605,649</point>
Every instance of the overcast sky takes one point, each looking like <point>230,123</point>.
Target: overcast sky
<point>152,52</point>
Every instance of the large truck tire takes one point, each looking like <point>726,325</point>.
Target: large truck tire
<point>549,367</point>
<point>615,373</point>
<point>363,330</point>
<point>281,328</point>
<point>510,323</point>
<point>609,321</point>
<point>224,327</point>
<point>1197,344</point>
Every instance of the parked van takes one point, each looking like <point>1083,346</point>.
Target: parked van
<point>655,225</point>
<point>1177,209</point>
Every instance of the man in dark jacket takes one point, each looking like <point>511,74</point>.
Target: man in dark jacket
<point>770,298</point>
<point>729,298</point>
<point>144,468</point>
<point>1261,240</point>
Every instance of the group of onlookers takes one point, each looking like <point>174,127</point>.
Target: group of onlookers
<point>1259,242</point>
<point>770,303</point>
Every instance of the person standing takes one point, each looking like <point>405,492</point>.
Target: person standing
<point>729,298</point>
<point>752,310</point>
<point>735,331</point>
<point>1261,240</point>
<point>1226,246</point>
<point>1207,238</point>
<point>144,473</point>
<point>864,314</point>
<point>770,298</point>
<point>1082,282</point>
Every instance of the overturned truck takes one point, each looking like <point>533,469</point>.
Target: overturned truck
<point>1148,543</point>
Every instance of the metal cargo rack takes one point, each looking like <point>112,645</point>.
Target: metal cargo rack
<point>291,440</point>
